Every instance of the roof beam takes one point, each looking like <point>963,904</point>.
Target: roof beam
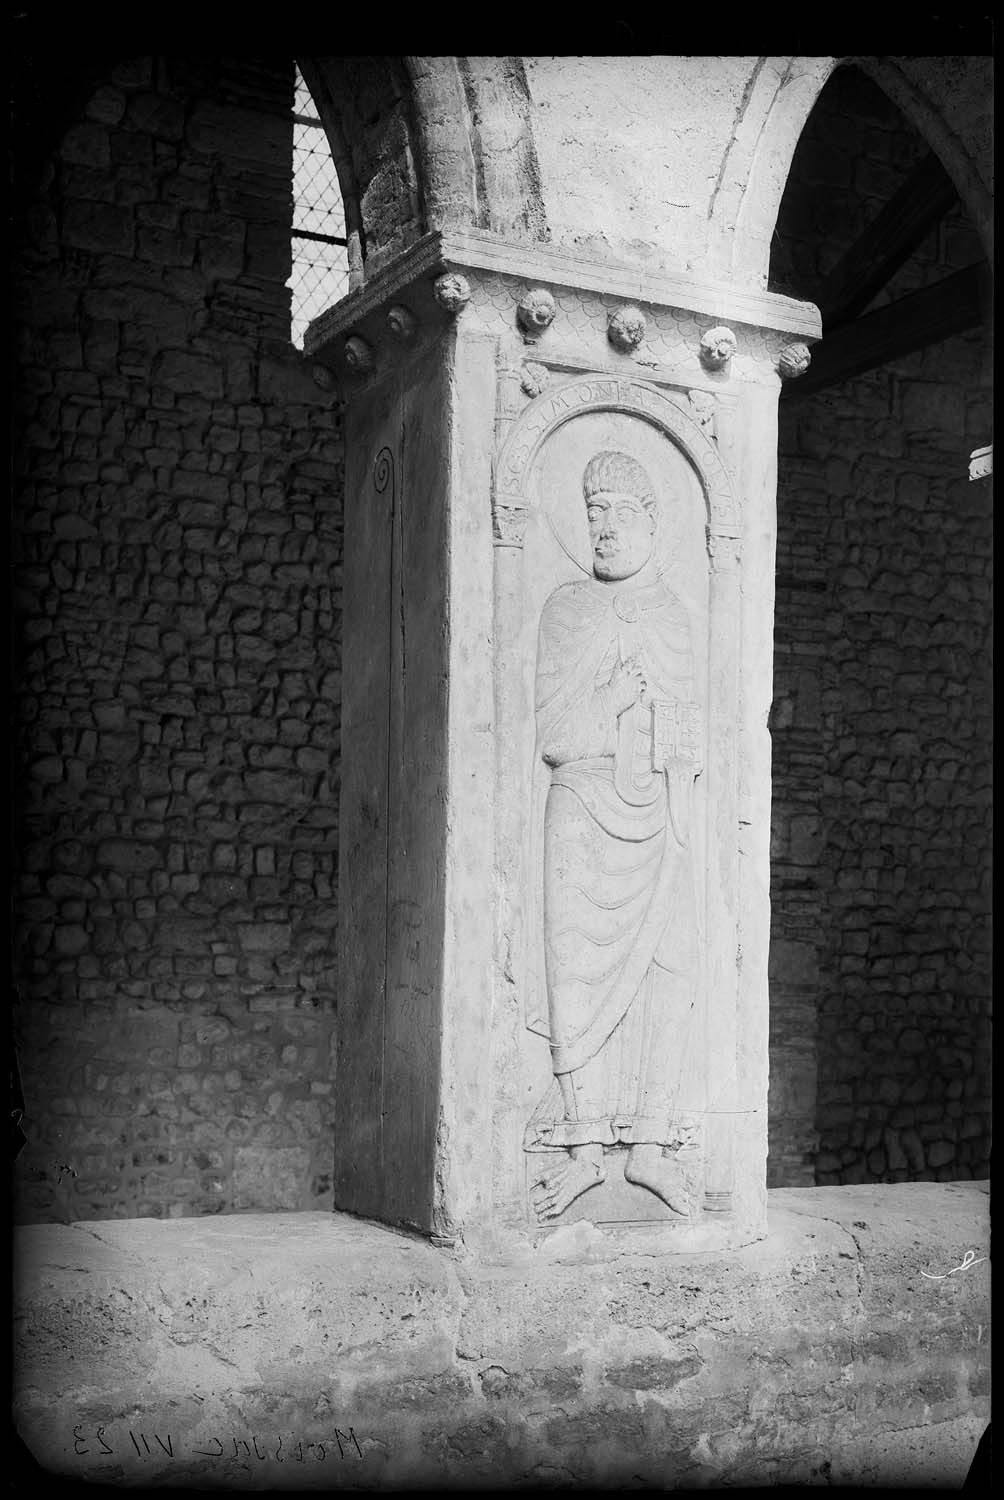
<point>919,203</point>
<point>936,312</point>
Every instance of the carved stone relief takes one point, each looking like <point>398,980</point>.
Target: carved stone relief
<point>702,404</point>
<point>564,399</point>
<point>793,360</point>
<point>358,355</point>
<point>323,378</point>
<point>452,291</point>
<point>402,323</point>
<point>613,516</point>
<point>626,328</point>
<point>534,378</point>
<point>535,311</point>
<point>621,733</point>
<point>718,346</point>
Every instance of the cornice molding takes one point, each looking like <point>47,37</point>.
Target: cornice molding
<point>475,250</point>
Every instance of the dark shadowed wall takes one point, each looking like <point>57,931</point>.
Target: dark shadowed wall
<point>880,955</point>
<point>176,604</point>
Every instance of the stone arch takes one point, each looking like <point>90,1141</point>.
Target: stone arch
<point>427,143</point>
<point>936,95</point>
<point>581,393</point>
<point>365,105</point>
<point>771,117</point>
<point>498,119</point>
<point>778,99</point>
<point>443,141</point>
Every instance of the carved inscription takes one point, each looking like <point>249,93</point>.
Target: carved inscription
<point>559,403</point>
<point>99,1442</point>
<point>620,728</point>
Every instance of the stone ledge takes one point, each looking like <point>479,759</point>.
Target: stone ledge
<point>535,262</point>
<point>317,1351</point>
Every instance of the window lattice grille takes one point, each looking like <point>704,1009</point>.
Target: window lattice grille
<point>320,274</point>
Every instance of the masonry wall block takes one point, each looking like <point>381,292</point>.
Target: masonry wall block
<point>176,602</point>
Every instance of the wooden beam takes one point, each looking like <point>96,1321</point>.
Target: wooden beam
<point>920,202</point>
<point>934,313</point>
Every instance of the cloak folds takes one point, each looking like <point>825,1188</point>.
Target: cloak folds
<point>619,924</point>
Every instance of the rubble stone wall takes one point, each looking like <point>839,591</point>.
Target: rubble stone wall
<point>881,724</point>
<point>176,606</point>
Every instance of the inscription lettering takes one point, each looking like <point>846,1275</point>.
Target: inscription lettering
<point>546,412</point>
<point>285,1449</point>
<point>205,1453</point>
<point>347,1438</point>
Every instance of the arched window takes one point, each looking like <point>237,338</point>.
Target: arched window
<point>320,274</point>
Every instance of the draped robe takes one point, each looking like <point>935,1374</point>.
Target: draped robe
<point>620,938</point>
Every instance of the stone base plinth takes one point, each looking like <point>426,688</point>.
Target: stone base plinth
<point>308,1351</point>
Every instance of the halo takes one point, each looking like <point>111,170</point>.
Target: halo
<point>565,511</point>
<point>559,508</point>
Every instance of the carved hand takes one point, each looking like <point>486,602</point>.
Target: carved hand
<point>683,766</point>
<point>626,685</point>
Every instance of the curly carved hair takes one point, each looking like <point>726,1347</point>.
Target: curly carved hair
<point>618,474</point>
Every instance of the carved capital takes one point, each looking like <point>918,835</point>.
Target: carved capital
<point>402,322</point>
<point>717,347</point>
<point>509,520</point>
<point>535,311</point>
<point>452,291</point>
<point>793,360</point>
<point>358,355</point>
<point>626,328</point>
<point>724,552</point>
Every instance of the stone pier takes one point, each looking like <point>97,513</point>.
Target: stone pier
<point>559,561</point>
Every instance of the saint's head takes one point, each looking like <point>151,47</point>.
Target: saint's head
<point>621,511</point>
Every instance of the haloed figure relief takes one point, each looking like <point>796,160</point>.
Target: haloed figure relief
<point>618,724</point>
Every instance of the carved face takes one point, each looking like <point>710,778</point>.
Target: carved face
<point>622,533</point>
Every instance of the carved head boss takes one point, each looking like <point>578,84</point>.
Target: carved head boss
<point>621,510</point>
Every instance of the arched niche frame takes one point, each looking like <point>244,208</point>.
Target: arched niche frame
<point>520,439</point>
<point>563,402</point>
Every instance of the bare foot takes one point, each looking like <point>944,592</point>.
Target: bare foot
<point>662,1175</point>
<point>560,1185</point>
